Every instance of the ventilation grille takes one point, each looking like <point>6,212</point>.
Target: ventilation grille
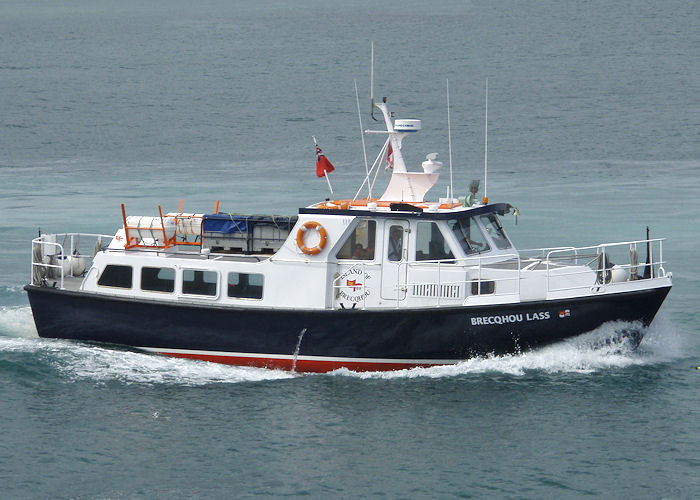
<point>435,290</point>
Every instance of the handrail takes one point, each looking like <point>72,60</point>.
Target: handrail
<point>603,249</point>
<point>592,247</point>
<point>42,264</point>
<point>478,263</point>
<point>58,251</point>
<point>476,267</point>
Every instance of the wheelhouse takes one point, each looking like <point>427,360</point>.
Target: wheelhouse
<point>446,237</point>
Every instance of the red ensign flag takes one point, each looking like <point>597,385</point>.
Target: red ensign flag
<point>322,163</point>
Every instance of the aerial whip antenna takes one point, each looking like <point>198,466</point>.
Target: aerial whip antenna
<point>371,82</point>
<point>486,140</point>
<point>449,138</point>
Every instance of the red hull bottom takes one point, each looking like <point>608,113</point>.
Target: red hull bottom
<point>301,365</point>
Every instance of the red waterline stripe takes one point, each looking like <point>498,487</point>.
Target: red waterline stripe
<point>302,365</point>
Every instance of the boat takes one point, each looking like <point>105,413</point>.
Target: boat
<point>364,283</point>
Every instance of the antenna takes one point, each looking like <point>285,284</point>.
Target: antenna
<point>486,139</point>
<point>362,136</point>
<point>371,85</point>
<point>449,138</point>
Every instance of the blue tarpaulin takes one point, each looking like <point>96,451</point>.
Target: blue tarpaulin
<point>226,224</point>
<point>233,224</point>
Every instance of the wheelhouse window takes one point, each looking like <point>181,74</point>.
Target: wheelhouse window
<point>430,243</point>
<point>158,279</point>
<point>495,229</point>
<point>469,235</point>
<point>245,286</point>
<point>360,243</point>
<point>197,282</point>
<point>116,276</point>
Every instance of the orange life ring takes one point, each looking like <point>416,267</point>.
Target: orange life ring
<point>323,235</point>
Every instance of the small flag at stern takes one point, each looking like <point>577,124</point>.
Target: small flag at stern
<point>323,166</point>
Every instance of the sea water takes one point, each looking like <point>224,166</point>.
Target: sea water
<point>593,134</point>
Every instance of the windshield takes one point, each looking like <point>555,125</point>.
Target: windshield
<point>470,237</point>
<point>495,229</point>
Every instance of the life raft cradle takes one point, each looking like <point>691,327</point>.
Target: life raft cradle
<point>159,235</point>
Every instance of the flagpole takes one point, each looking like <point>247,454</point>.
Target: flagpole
<point>325,172</point>
<point>329,182</point>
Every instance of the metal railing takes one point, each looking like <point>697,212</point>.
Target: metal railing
<point>50,261</point>
<point>487,274</point>
<point>599,258</point>
<point>474,267</point>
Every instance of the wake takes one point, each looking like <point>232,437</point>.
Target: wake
<point>17,322</point>
<point>611,346</point>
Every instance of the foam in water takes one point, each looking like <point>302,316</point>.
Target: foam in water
<point>82,361</point>
<point>77,361</point>
<point>609,346</point>
<point>103,365</point>
<point>17,322</point>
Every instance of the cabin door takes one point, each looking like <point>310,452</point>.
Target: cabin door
<point>394,259</point>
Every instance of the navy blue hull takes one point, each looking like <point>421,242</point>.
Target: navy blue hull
<point>425,336</point>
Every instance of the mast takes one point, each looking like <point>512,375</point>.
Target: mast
<point>403,185</point>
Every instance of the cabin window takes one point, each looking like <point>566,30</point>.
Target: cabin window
<point>495,229</point>
<point>360,243</point>
<point>469,235</point>
<point>430,243</point>
<point>245,286</point>
<point>158,279</point>
<point>116,276</point>
<point>197,282</point>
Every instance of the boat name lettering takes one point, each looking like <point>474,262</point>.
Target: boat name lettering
<point>510,318</point>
